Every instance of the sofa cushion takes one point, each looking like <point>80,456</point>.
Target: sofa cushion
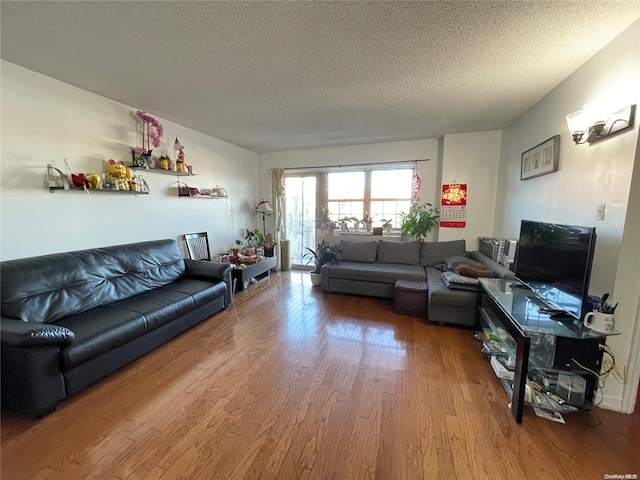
<point>201,291</point>
<point>363,252</point>
<point>158,307</point>
<point>99,331</point>
<point>51,287</point>
<point>45,289</point>
<point>402,253</point>
<point>378,272</point>
<point>123,271</point>
<point>433,253</point>
<point>439,294</point>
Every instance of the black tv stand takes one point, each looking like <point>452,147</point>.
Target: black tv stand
<point>534,339</point>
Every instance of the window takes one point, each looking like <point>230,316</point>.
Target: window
<point>383,193</point>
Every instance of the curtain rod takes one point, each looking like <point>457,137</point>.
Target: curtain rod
<point>319,167</point>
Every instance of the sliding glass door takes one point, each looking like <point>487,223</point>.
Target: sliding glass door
<point>300,219</point>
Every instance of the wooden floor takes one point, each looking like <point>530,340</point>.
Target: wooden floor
<point>289,382</point>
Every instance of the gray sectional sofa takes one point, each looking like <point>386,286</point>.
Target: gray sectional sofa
<point>372,269</point>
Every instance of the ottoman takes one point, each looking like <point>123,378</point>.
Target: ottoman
<point>411,298</point>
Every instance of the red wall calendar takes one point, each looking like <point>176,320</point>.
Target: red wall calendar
<point>453,205</point>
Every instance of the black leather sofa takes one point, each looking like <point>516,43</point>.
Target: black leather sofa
<point>70,319</point>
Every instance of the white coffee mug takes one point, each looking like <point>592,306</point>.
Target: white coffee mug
<point>600,322</point>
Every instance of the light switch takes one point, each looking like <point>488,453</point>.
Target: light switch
<point>600,212</point>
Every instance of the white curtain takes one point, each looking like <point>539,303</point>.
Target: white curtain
<point>277,187</point>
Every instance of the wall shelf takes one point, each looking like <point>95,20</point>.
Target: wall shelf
<point>58,182</point>
<point>163,171</point>
<point>217,192</point>
<point>97,190</point>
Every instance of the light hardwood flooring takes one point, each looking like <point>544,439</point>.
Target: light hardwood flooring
<point>290,382</point>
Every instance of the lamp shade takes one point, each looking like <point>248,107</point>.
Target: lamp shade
<point>576,122</point>
<point>264,207</point>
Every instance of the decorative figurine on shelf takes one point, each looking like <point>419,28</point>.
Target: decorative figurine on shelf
<point>177,146</point>
<point>142,155</point>
<point>163,162</point>
<point>78,180</point>
<point>118,175</point>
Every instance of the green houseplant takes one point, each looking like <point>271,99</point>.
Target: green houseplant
<point>421,219</point>
<point>254,238</point>
<point>324,253</point>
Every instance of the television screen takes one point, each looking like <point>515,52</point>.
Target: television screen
<point>555,262</point>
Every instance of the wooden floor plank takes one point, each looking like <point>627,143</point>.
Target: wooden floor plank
<point>290,382</point>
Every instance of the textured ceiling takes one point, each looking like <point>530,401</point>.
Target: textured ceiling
<point>280,75</point>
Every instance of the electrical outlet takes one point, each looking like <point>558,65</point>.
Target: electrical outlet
<point>600,212</point>
<point>232,209</point>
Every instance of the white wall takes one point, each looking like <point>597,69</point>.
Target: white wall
<point>45,121</point>
<point>588,175</point>
<point>472,158</point>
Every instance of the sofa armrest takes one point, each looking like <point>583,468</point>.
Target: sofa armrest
<point>28,334</point>
<point>494,266</point>
<point>206,269</point>
<point>32,382</point>
<point>211,271</point>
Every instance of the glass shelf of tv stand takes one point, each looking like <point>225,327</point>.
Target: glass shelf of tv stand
<point>537,361</point>
<point>503,339</point>
<point>523,306</point>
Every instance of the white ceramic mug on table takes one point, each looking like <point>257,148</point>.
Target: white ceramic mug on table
<point>600,322</point>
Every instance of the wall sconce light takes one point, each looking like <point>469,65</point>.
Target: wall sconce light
<point>595,122</point>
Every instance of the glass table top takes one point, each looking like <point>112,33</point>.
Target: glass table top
<point>528,310</point>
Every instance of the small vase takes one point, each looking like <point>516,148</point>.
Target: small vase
<point>369,226</point>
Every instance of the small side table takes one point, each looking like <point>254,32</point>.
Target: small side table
<point>411,298</point>
<point>259,270</point>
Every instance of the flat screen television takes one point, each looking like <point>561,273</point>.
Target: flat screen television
<point>555,262</point>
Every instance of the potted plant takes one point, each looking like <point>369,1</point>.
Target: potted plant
<point>387,225</point>
<point>324,220</point>
<point>344,223</point>
<point>367,221</point>
<point>254,238</point>
<point>421,219</point>
<point>324,252</point>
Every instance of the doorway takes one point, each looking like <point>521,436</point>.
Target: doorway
<point>300,216</point>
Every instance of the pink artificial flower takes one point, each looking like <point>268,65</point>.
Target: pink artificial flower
<point>154,136</point>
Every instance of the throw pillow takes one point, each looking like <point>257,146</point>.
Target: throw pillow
<point>452,261</point>
<point>473,271</point>
<point>459,282</point>
<point>454,277</point>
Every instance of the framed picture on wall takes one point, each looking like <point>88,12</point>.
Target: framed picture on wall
<point>541,159</point>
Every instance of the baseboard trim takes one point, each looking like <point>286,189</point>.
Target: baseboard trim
<point>610,402</point>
